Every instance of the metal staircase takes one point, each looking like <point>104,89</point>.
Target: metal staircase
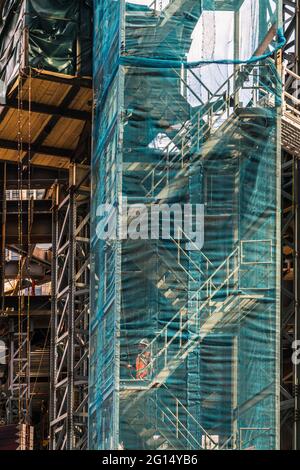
<point>168,428</point>
<point>172,274</point>
<point>211,116</point>
<point>215,300</point>
<point>175,341</point>
<point>215,303</point>
<point>218,112</point>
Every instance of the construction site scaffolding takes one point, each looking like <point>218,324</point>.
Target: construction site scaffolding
<point>184,330</point>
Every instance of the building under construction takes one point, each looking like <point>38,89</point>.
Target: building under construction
<point>149,206</point>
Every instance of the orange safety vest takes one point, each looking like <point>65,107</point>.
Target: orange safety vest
<point>141,363</point>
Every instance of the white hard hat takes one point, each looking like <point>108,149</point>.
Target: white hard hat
<point>144,342</point>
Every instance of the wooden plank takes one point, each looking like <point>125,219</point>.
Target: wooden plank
<point>44,149</point>
<point>13,121</point>
<point>50,110</point>
<point>65,134</point>
<point>59,112</point>
<point>51,162</point>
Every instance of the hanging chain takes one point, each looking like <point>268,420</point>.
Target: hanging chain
<point>29,221</point>
<point>20,241</point>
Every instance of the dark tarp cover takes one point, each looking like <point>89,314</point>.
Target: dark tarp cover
<point>59,38</point>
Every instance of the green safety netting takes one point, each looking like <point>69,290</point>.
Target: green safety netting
<point>184,323</point>
<point>59,37</point>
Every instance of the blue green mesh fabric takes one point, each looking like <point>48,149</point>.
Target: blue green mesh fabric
<point>184,328</point>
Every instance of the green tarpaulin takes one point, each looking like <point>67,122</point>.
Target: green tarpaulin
<point>58,38</point>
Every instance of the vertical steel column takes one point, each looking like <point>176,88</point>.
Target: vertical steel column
<point>297,37</point>
<point>53,325</point>
<point>236,53</point>
<point>287,298</point>
<point>3,236</point>
<point>70,314</point>
<point>10,403</point>
<point>290,319</point>
<point>59,323</point>
<point>297,247</point>
<point>19,371</point>
<point>71,318</point>
<point>297,305</point>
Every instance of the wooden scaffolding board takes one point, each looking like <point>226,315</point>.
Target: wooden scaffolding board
<point>52,112</point>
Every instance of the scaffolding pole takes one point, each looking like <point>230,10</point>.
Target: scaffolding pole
<point>290,320</point>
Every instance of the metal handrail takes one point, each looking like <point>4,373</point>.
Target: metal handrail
<point>184,431</point>
<point>211,291</point>
<point>154,4</point>
<point>196,247</point>
<point>177,143</point>
<point>188,413</point>
<point>178,135</point>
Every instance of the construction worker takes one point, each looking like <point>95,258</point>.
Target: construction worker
<point>143,360</point>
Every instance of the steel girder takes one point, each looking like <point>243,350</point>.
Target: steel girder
<point>18,404</point>
<point>69,318</point>
<point>290,285</point>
